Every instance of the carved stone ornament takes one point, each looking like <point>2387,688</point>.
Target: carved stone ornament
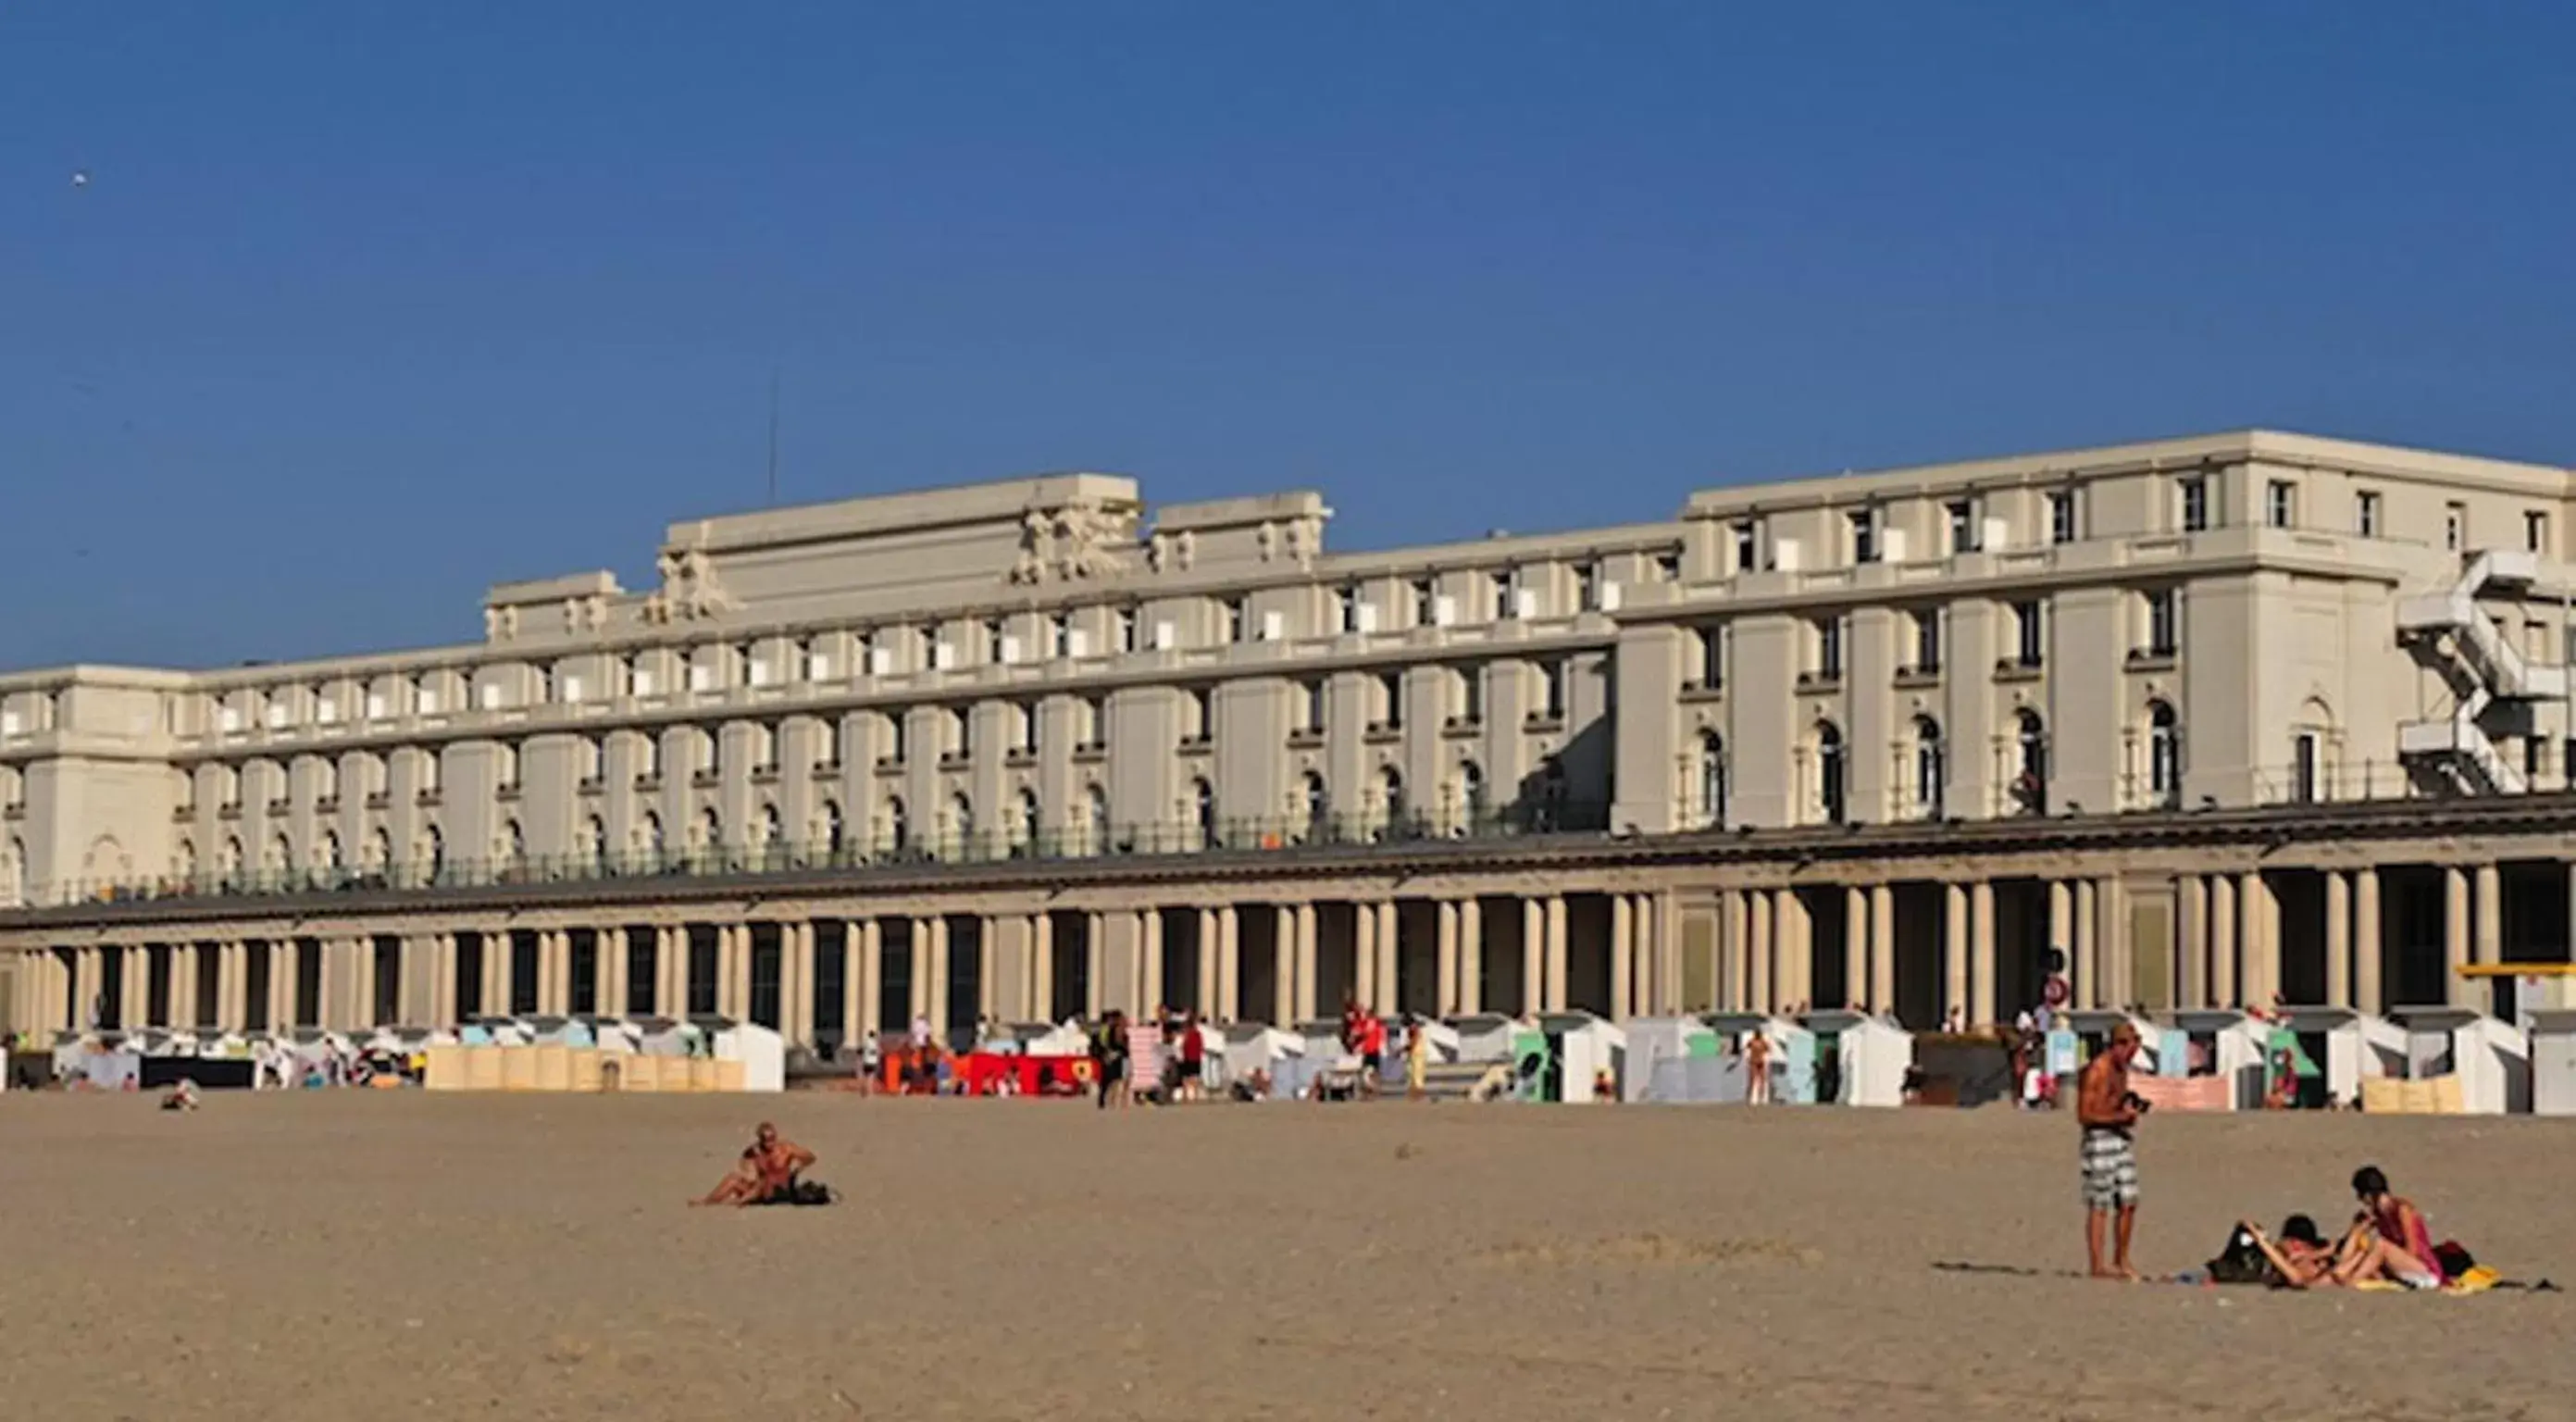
<point>1075,542</point>
<point>690,588</point>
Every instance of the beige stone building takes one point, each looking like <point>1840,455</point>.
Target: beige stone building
<point>2236,718</point>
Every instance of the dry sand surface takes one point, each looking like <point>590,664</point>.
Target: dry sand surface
<point>353,1255</point>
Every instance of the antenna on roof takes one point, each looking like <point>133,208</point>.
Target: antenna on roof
<point>773,435</point>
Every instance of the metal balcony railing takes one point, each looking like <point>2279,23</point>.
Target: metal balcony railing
<point>1274,834</point>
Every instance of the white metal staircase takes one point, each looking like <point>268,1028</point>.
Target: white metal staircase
<point>2496,686</point>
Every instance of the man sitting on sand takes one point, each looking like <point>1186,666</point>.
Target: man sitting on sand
<point>766,1174</point>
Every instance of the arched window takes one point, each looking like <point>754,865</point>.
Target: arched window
<point>183,861</point>
<point>380,850</point>
<point>1318,801</point>
<point>771,832</point>
<point>898,835</point>
<point>1024,830</point>
<point>2164,755</point>
<point>1931,768</point>
<point>1712,779</point>
<point>281,855</point>
<point>433,851</point>
<point>649,836</point>
<point>961,822</point>
<point>13,872</point>
<point>1471,794</point>
<point>1829,772</point>
<point>2030,762</point>
<point>1391,783</point>
<point>326,780</point>
<point>514,842</point>
<point>832,832</point>
<point>1095,808</point>
<point>328,855</point>
<point>711,829</point>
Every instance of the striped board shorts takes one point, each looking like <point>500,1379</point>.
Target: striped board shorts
<point>2110,1169</point>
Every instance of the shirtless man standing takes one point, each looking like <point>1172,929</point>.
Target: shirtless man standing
<point>766,1172</point>
<point>2109,1114</point>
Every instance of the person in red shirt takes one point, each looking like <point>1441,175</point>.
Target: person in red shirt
<point>1193,1059</point>
<point>1372,1050</point>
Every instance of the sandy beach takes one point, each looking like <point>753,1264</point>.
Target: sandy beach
<point>327,1255</point>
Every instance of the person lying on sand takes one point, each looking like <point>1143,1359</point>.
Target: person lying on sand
<point>2300,1258</point>
<point>766,1173</point>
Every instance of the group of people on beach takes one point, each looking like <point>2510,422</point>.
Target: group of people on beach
<point>2388,1241</point>
<point>1154,1059</point>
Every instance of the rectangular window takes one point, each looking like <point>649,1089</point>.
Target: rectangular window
<point>1710,674</point>
<point>1963,526</point>
<point>2163,622</point>
<point>1864,535</point>
<point>1471,695</point>
<point>2535,531</point>
<point>1238,621</point>
<point>1346,606</point>
<point>1927,640</point>
<point>2280,508</point>
<point>1199,720</point>
<point>1422,602</point>
<point>1310,707</point>
<point>1506,585</point>
<point>1390,701</point>
<point>1127,629</point>
<point>996,642</point>
<point>1748,547</point>
<point>1024,726</point>
<point>1552,690</point>
<point>2061,516</point>
<point>2030,633</point>
<point>1587,586</point>
<point>1829,648</point>
<point>2455,527</point>
<point>2195,505</point>
<point>898,736</point>
<point>1668,567</point>
<point>1060,635</point>
<point>2365,514</point>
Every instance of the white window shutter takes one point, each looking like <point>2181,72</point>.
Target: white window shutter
<point>1444,610</point>
<point>759,672</point>
<point>701,676</point>
<point>643,683</point>
<point>1163,636</point>
<point>276,714</point>
<point>1077,642</point>
<point>1784,554</point>
<point>1998,533</point>
<point>880,661</point>
<point>428,701</point>
<point>491,696</point>
<point>1525,603</point>
<point>1609,597</point>
<point>326,711</point>
<point>943,656</point>
<point>571,688</point>
<point>1274,626</point>
<point>1010,650</point>
<point>1891,545</point>
<point>375,706</point>
<point>1366,616</point>
<point>818,667</point>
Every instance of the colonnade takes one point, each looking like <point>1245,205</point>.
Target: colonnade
<point>1964,949</point>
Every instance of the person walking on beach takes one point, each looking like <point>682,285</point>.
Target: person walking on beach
<point>1757,1068</point>
<point>2109,1112</point>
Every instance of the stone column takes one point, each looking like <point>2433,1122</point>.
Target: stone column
<point>1283,965</point>
<point>1954,954</point>
<point>2365,946</point>
<point>1446,966</point>
<point>988,968</point>
<point>1792,950</point>
<point>1229,964</point>
<point>182,1005</point>
<point>2488,942</point>
<point>1149,975</point>
<point>2455,935</point>
<point>1981,938</point>
<point>847,941</point>
<point>1882,948</point>
<point>670,954</point>
<point>2061,921</point>
<point>1471,955</point>
<point>1856,948</point>
<point>1390,960</point>
<point>1364,954</point>
<point>497,952</point>
<point>612,968</point>
<point>1759,994</point>
<point>2085,962</point>
<point>2191,938</point>
<point>1733,967</point>
<point>918,1004</point>
<point>1042,966</point>
<point>1556,952</point>
<point>1307,1007</point>
<point>871,976</point>
<point>938,1000</point>
<point>801,973</point>
<point>2259,973</point>
<point>742,968</point>
<point>1095,956</point>
<point>1208,960</point>
<point>1623,959</point>
<point>1648,988</point>
<point>86,973</point>
<point>1533,956</point>
<point>441,966</point>
<point>2222,942</point>
<point>2338,938</point>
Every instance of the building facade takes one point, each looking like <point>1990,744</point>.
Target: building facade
<point>2229,719</point>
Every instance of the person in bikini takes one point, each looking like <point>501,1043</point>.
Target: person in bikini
<point>2108,1112</point>
<point>2300,1258</point>
<point>2389,1239</point>
<point>765,1174</point>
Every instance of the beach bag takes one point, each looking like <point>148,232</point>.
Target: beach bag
<point>2241,1262</point>
<point>2455,1259</point>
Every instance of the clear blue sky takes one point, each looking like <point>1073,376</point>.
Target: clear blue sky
<point>368,305</point>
